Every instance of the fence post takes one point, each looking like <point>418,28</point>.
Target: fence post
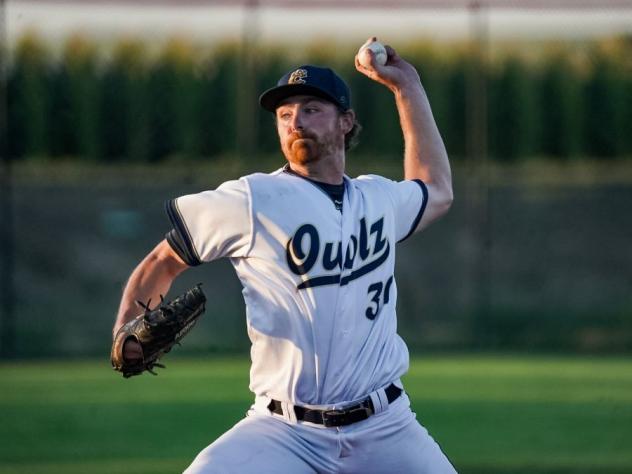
<point>7,230</point>
<point>246,129</point>
<point>478,201</point>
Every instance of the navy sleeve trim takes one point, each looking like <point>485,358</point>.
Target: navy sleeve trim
<point>179,238</point>
<point>424,191</point>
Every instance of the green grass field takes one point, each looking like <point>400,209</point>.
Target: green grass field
<point>491,414</point>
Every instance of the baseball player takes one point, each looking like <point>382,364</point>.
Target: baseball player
<point>315,252</point>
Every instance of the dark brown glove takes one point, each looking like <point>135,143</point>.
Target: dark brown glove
<point>157,330</point>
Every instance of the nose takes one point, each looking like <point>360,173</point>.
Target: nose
<point>297,121</point>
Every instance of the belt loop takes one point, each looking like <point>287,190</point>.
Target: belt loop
<point>288,412</point>
<point>380,402</point>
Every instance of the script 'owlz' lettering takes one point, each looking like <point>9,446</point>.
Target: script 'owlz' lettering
<point>304,249</point>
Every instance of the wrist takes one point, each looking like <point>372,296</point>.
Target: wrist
<point>408,90</point>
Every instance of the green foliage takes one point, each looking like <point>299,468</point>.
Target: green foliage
<point>455,135</point>
<point>435,74</point>
<point>185,95</point>
<point>124,129</point>
<point>79,66</point>
<point>164,107</point>
<point>194,103</point>
<point>602,98</point>
<point>218,120</point>
<point>561,107</point>
<point>513,111</point>
<point>29,99</point>
<point>267,74</point>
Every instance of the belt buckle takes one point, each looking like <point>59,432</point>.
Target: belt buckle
<point>346,417</point>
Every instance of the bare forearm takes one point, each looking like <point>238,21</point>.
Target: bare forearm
<point>425,156</point>
<point>149,280</point>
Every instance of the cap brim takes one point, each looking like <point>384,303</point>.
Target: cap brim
<point>271,98</point>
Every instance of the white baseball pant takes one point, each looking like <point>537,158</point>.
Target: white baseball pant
<point>389,442</point>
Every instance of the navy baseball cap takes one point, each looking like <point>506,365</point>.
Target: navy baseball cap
<point>308,80</point>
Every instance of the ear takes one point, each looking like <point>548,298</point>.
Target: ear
<point>347,119</point>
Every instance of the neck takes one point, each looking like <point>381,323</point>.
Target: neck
<point>328,170</point>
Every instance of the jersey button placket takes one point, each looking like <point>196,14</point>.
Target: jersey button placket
<point>343,346</point>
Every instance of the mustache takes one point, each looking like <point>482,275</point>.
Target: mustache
<point>300,134</point>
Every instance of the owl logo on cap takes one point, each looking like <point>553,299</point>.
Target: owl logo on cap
<point>298,77</point>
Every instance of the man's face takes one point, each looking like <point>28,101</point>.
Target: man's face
<point>310,128</point>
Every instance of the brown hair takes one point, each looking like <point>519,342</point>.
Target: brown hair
<point>351,138</point>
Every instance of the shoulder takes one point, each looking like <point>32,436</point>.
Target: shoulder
<point>373,183</point>
<point>240,185</point>
<point>211,224</point>
<point>236,187</point>
<point>243,185</point>
<point>276,176</point>
<point>386,184</point>
<point>270,186</point>
<point>229,194</point>
<point>371,180</point>
<point>230,186</point>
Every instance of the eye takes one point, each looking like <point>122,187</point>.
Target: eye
<point>284,115</point>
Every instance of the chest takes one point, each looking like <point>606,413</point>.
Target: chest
<point>299,226</point>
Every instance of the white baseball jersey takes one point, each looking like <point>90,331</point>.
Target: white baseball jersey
<point>318,282</point>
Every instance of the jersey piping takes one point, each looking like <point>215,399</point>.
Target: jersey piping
<point>424,191</point>
<point>179,238</point>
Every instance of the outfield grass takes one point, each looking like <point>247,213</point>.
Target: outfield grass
<point>493,415</point>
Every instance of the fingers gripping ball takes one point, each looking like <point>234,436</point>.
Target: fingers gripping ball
<point>379,52</point>
<point>157,331</point>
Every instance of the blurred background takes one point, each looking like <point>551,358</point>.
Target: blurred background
<point>110,108</point>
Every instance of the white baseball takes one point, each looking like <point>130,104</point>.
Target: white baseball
<point>378,51</point>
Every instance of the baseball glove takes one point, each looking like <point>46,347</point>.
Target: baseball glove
<point>157,330</point>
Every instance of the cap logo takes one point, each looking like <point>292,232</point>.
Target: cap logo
<point>298,77</point>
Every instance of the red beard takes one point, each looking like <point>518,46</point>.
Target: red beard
<point>302,147</point>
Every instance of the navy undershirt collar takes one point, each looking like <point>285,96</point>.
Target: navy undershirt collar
<point>334,191</point>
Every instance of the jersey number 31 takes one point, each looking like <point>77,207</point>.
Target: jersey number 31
<point>381,294</point>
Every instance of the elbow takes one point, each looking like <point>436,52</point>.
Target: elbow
<point>163,259</point>
<point>443,201</point>
<point>439,203</point>
<point>449,199</point>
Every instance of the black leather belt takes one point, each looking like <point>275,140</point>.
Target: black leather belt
<point>358,412</point>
